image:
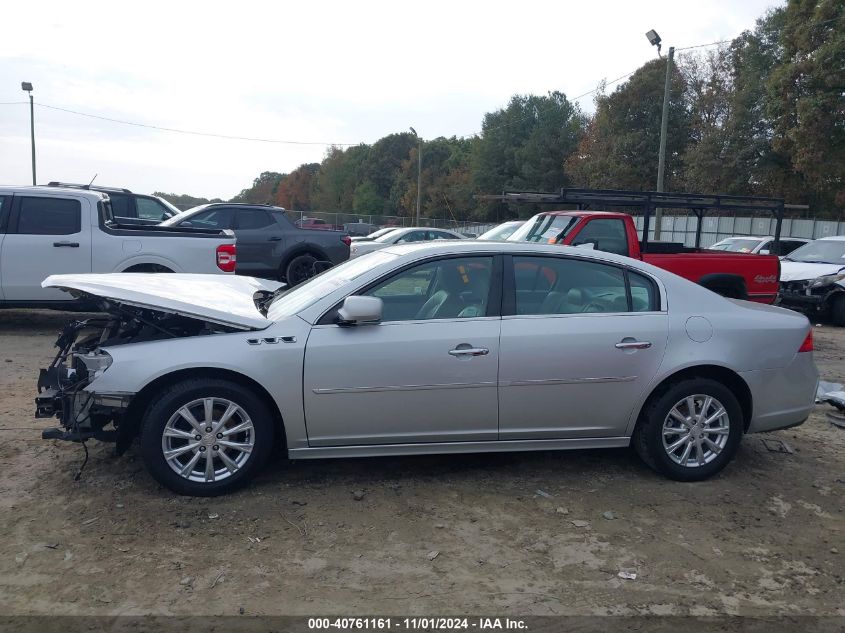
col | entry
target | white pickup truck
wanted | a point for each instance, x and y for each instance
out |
(51, 230)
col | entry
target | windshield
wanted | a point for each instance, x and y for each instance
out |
(181, 216)
(820, 252)
(308, 293)
(170, 207)
(501, 232)
(545, 229)
(736, 246)
(378, 234)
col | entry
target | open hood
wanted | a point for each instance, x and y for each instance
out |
(799, 271)
(224, 299)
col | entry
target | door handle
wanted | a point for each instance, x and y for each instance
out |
(633, 345)
(275, 238)
(469, 351)
(69, 244)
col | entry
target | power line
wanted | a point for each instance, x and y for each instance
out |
(686, 48)
(180, 131)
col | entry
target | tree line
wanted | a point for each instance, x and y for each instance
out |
(762, 115)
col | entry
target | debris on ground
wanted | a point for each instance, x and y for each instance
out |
(580, 524)
(562, 510)
(777, 446)
(213, 515)
(187, 580)
(543, 493)
(432, 554)
(826, 388)
(608, 515)
(627, 575)
(358, 495)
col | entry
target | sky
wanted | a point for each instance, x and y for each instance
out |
(318, 73)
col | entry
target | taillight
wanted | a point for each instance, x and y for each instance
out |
(807, 345)
(226, 258)
(346, 240)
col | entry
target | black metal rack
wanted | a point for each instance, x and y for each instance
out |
(647, 201)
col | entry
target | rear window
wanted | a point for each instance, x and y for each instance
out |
(121, 206)
(49, 216)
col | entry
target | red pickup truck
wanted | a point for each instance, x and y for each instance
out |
(735, 275)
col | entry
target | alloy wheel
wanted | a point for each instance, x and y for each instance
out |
(208, 439)
(696, 430)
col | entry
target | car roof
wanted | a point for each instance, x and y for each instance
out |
(583, 212)
(243, 205)
(832, 238)
(53, 191)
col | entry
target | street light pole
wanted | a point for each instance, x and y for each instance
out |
(27, 87)
(664, 126)
(419, 173)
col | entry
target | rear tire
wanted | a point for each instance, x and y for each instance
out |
(235, 430)
(837, 310)
(677, 443)
(299, 269)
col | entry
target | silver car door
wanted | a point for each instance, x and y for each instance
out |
(581, 340)
(426, 373)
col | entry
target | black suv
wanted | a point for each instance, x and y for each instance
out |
(128, 207)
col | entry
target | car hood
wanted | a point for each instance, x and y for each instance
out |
(224, 299)
(799, 271)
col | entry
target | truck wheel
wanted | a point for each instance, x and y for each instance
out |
(148, 268)
(690, 431)
(300, 268)
(837, 310)
(206, 437)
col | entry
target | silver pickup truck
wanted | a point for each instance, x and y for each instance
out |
(51, 230)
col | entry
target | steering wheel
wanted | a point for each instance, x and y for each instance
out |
(435, 302)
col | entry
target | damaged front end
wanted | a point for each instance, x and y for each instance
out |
(82, 357)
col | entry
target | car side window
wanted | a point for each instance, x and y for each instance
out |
(247, 219)
(554, 285)
(149, 209)
(4, 212)
(608, 235)
(211, 219)
(455, 288)
(121, 206)
(439, 235)
(644, 295)
(49, 216)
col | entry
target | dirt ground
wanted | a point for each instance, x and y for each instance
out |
(510, 534)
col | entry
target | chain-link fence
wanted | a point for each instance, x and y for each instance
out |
(356, 224)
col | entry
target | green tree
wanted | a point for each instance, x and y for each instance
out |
(263, 190)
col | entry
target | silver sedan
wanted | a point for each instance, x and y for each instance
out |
(428, 348)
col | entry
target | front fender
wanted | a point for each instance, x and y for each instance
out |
(276, 366)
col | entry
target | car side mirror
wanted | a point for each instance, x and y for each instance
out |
(588, 245)
(357, 310)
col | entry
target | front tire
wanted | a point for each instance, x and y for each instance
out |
(206, 437)
(691, 430)
(837, 310)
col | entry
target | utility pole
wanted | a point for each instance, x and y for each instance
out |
(664, 125)
(27, 87)
(419, 173)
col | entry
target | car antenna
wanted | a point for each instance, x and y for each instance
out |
(93, 179)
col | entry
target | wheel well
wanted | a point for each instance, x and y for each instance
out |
(142, 399)
(731, 286)
(305, 250)
(148, 268)
(727, 377)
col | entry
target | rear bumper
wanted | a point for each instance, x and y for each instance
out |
(782, 397)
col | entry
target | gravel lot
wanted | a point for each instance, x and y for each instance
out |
(534, 533)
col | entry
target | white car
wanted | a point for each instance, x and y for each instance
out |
(455, 347)
(501, 232)
(402, 236)
(759, 245)
(812, 279)
(375, 234)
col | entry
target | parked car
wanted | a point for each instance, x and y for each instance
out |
(374, 235)
(48, 230)
(128, 207)
(812, 279)
(501, 232)
(359, 228)
(316, 223)
(269, 244)
(403, 236)
(761, 245)
(428, 348)
(734, 275)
